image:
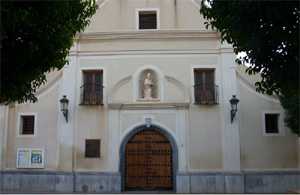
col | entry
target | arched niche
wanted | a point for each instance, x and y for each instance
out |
(148, 85)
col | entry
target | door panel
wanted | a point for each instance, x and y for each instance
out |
(148, 162)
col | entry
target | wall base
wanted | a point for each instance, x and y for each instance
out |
(202, 182)
(239, 182)
(59, 182)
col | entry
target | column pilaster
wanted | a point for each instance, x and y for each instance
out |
(230, 131)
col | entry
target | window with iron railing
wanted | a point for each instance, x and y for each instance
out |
(92, 87)
(205, 90)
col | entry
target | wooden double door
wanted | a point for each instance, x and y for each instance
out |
(148, 162)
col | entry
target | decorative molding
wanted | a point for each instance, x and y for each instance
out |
(197, 3)
(149, 105)
(101, 3)
(251, 88)
(49, 85)
(180, 86)
(134, 52)
(157, 34)
(117, 86)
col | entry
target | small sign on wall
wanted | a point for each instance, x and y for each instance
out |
(30, 158)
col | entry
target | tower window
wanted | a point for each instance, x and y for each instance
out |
(147, 19)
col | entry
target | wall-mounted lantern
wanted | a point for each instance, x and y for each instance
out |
(234, 102)
(64, 103)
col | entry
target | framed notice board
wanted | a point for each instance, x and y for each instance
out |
(30, 158)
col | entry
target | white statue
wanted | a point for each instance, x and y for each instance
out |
(148, 86)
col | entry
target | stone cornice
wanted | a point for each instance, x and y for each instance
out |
(148, 105)
(155, 34)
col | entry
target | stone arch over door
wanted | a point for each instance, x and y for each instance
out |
(161, 135)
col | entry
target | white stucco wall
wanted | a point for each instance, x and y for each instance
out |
(206, 139)
(3, 133)
(258, 150)
(45, 137)
(174, 14)
(179, 67)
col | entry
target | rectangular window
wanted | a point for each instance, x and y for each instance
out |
(271, 123)
(205, 90)
(147, 19)
(92, 88)
(27, 124)
(92, 148)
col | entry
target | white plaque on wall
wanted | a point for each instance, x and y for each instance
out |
(23, 158)
(30, 158)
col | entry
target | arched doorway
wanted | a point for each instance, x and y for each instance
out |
(147, 162)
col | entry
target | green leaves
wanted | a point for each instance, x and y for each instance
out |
(268, 31)
(36, 38)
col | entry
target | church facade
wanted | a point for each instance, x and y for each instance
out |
(144, 105)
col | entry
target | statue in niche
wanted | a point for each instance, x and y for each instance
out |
(148, 87)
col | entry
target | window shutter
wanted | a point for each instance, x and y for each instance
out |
(204, 88)
(209, 78)
(92, 87)
(98, 77)
(87, 78)
(198, 77)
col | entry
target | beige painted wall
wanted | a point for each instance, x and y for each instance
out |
(298, 152)
(172, 54)
(205, 138)
(174, 14)
(45, 138)
(92, 122)
(259, 151)
(3, 131)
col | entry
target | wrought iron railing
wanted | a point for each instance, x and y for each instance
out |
(206, 94)
(91, 94)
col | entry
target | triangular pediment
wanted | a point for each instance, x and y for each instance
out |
(121, 15)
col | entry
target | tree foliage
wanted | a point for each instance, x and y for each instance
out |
(268, 31)
(35, 38)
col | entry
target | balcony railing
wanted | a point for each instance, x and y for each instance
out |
(91, 94)
(206, 94)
